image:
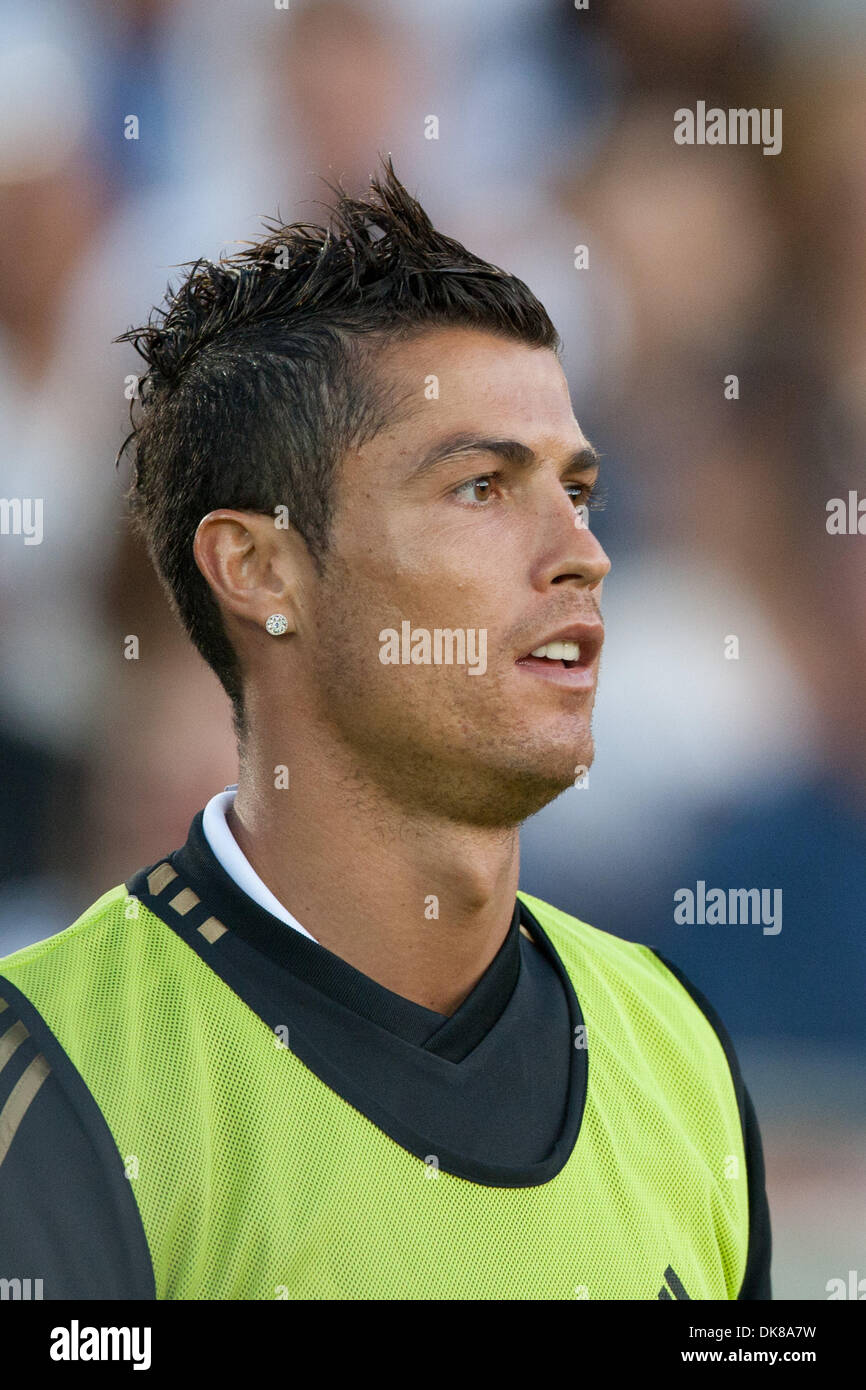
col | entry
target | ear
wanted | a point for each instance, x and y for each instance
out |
(253, 567)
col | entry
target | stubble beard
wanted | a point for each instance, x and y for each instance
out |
(432, 766)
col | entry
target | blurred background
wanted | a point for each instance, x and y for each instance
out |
(555, 129)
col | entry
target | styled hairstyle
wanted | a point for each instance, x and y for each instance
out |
(261, 376)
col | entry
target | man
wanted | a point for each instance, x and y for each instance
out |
(324, 1050)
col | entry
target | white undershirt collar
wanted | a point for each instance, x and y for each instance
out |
(232, 858)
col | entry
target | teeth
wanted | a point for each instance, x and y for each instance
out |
(558, 651)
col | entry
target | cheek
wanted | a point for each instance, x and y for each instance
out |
(358, 601)
(404, 551)
(360, 643)
(430, 579)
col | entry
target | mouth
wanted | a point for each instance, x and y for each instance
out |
(568, 658)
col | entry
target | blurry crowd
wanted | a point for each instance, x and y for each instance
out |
(555, 130)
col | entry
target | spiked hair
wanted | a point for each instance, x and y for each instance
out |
(261, 375)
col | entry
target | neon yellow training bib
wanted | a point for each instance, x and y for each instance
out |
(255, 1180)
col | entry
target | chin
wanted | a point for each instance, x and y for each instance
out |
(527, 790)
(560, 757)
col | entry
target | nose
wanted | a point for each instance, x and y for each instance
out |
(567, 550)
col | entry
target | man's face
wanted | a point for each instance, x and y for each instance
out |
(479, 542)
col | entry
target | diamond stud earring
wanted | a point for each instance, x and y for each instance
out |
(277, 624)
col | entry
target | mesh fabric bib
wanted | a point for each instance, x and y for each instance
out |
(255, 1180)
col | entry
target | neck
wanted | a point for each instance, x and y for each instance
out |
(420, 905)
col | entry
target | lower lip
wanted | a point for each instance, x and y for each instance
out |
(572, 677)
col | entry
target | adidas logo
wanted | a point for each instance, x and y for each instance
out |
(675, 1283)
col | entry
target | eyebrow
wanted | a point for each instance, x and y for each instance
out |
(511, 450)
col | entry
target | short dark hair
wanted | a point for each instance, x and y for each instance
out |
(260, 377)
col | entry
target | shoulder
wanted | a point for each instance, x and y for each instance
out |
(45, 984)
(650, 985)
(67, 1210)
(73, 980)
(42, 954)
(593, 945)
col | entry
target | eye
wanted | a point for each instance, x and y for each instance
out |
(481, 489)
(585, 494)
